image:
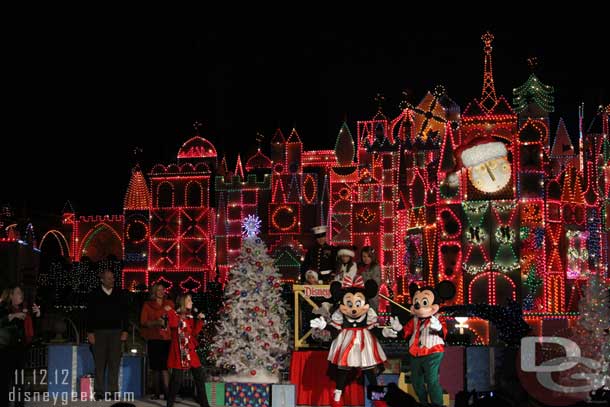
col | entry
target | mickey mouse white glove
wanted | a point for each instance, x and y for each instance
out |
(435, 324)
(395, 323)
(388, 332)
(319, 323)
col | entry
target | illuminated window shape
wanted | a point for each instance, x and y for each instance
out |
(194, 223)
(577, 254)
(190, 285)
(164, 224)
(193, 253)
(284, 218)
(451, 225)
(163, 255)
(366, 217)
(165, 195)
(167, 283)
(491, 288)
(193, 195)
(451, 256)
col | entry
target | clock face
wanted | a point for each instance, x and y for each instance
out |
(491, 176)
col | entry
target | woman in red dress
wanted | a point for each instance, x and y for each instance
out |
(182, 352)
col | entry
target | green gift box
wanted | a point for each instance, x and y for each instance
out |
(216, 394)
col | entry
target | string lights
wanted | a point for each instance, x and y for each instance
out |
(529, 241)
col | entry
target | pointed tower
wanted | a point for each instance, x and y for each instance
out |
(223, 169)
(562, 151)
(239, 170)
(137, 196)
(136, 211)
(488, 95)
(294, 153)
(278, 148)
(344, 147)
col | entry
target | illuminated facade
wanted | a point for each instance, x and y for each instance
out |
(534, 239)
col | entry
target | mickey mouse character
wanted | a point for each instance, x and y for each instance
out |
(426, 334)
(355, 346)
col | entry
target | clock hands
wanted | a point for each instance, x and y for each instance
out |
(491, 175)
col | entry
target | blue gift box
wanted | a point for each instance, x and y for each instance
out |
(130, 375)
(68, 363)
(247, 394)
(481, 364)
(283, 395)
(382, 380)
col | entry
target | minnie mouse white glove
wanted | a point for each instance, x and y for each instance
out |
(388, 332)
(319, 323)
(395, 323)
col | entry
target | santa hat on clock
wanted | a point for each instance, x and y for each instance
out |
(473, 153)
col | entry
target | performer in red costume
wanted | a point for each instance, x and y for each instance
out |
(426, 334)
(183, 349)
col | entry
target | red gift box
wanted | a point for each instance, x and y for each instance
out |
(86, 388)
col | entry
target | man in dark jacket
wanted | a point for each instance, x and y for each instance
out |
(320, 258)
(107, 327)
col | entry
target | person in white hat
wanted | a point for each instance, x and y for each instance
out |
(311, 277)
(347, 272)
(320, 258)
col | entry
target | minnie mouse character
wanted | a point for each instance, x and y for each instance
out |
(426, 334)
(355, 346)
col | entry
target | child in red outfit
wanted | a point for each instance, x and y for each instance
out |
(182, 352)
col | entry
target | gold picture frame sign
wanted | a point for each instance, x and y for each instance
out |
(305, 292)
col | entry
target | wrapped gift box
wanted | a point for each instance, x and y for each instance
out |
(66, 364)
(216, 394)
(483, 364)
(283, 395)
(247, 394)
(86, 388)
(382, 380)
(130, 375)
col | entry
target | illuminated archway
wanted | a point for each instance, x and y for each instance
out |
(62, 242)
(100, 242)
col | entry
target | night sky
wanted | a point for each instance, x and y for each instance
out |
(81, 100)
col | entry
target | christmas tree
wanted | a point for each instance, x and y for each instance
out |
(534, 92)
(252, 339)
(594, 322)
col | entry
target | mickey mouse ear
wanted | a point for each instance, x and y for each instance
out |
(446, 290)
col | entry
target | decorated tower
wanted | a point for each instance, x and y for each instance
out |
(136, 233)
(181, 245)
(486, 186)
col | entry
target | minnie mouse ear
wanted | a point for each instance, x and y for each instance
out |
(371, 289)
(446, 290)
(336, 291)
